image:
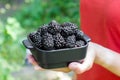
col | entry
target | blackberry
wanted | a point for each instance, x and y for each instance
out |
(66, 31)
(38, 44)
(54, 27)
(59, 41)
(34, 36)
(79, 34)
(36, 39)
(80, 43)
(70, 41)
(43, 29)
(47, 41)
(73, 26)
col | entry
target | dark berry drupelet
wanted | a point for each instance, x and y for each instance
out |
(47, 41)
(54, 27)
(80, 43)
(59, 41)
(79, 34)
(70, 41)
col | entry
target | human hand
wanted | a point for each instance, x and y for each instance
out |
(77, 67)
(95, 54)
(100, 55)
(87, 63)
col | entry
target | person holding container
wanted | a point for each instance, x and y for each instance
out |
(100, 20)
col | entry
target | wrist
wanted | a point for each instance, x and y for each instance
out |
(95, 47)
(103, 56)
(107, 58)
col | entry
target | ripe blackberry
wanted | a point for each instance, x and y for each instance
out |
(73, 26)
(66, 31)
(43, 29)
(47, 41)
(34, 36)
(80, 43)
(79, 34)
(38, 44)
(59, 41)
(54, 27)
(36, 39)
(70, 41)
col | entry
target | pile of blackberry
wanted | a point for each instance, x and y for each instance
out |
(54, 36)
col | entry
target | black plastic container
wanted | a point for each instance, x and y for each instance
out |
(57, 58)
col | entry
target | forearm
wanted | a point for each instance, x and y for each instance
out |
(108, 59)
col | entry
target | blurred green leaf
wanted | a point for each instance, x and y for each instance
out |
(43, 11)
(13, 28)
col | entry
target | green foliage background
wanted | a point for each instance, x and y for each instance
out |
(38, 12)
(28, 17)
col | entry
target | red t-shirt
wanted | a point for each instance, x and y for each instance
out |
(100, 19)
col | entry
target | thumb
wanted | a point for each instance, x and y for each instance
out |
(86, 65)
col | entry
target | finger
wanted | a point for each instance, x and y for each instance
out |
(86, 65)
(33, 62)
(79, 68)
(81, 61)
(37, 67)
